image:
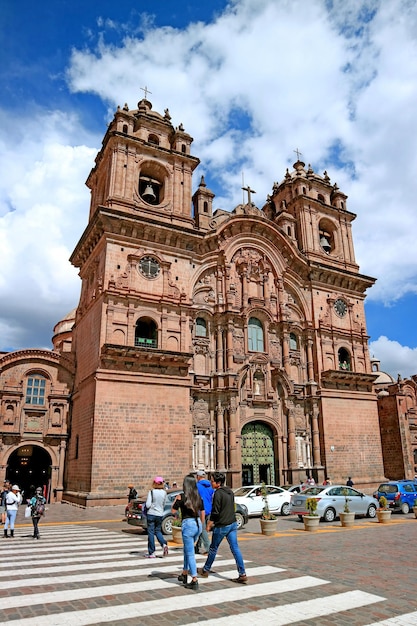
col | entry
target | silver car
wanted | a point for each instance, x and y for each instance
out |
(331, 501)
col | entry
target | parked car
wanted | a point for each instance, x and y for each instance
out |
(250, 496)
(294, 488)
(400, 494)
(331, 501)
(136, 516)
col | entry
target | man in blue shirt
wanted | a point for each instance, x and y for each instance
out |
(206, 492)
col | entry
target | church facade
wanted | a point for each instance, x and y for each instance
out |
(231, 340)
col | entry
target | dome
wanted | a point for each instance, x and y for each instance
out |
(65, 325)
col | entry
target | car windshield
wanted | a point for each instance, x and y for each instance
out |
(243, 491)
(388, 489)
(313, 491)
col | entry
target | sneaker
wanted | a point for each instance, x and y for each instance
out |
(242, 579)
(150, 556)
(165, 550)
(192, 585)
(202, 572)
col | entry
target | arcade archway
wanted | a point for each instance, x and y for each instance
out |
(258, 456)
(30, 467)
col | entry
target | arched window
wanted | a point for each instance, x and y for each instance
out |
(293, 341)
(344, 359)
(320, 197)
(255, 335)
(153, 139)
(35, 389)
(200, 327)
(146, 333)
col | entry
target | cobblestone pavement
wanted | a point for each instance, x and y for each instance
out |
(88, 568)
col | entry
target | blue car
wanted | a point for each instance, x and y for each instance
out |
(401, 494)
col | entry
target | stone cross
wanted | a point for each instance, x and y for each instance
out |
(249, 191)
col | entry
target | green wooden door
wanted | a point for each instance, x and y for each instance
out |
(258, 460)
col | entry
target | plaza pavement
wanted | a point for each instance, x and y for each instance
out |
(359, 577)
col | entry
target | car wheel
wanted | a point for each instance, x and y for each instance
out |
(285, 509)
(240, 521)
(371, 511)
(166, 525)
(300, 517)
(329, 515)
(405, 508)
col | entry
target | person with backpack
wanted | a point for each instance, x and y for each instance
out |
(37, 504)
(206, 492)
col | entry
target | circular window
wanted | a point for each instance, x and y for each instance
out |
(149, 267)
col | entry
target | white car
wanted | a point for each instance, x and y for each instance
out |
(278, 499)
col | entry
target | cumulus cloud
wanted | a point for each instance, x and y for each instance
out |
(43, 205)
(334, 79)
(401, 359)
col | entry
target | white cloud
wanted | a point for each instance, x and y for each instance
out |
(263, 79)
(341, 76)
(43, 207)
(395, 358)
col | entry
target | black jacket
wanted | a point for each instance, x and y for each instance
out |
(223, 510)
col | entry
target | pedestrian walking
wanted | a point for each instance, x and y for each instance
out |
(223, 523)
(13, 499)
(192, 514)
(37, 505)
(132, 495)
(206, 492)
(350, 482)
(155, 503)
(6, 488)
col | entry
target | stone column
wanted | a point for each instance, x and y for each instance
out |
(219, 350)
(229, 346)
(316, 436)
(220, 463)
(233, 460)
(286, 353)
(292, 451)
(310, 370)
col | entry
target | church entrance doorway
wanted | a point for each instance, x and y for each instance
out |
(30, 467)
(258, 457)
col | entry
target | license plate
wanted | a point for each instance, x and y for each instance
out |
(298, 501)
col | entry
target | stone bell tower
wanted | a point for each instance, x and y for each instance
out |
(130, 414)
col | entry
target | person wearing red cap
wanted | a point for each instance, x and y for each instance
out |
(155, 503)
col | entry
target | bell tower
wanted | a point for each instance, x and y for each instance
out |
(144, 166)
(313, 211)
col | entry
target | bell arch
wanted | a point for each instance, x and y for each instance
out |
(258, 453)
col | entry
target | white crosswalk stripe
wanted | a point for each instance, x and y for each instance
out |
(83, 576)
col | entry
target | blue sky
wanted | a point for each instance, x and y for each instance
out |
(251, 81)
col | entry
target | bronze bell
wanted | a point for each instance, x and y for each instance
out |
(149, 194)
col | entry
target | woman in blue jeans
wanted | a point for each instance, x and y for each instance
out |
(192, 513)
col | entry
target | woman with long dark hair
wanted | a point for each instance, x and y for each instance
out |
(190, 505)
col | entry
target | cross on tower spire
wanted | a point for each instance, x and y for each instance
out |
(298, 153)
(249, 190)
(146, 90)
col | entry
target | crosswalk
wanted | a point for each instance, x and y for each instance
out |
(77, 576)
